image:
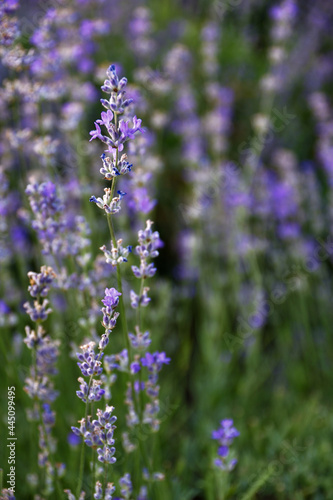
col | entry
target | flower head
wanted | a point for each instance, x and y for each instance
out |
(111, 298)
(225, 436)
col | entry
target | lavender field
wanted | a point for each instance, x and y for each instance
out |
(166, 250)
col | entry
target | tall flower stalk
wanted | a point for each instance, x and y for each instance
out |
(119, 132)
(39, 384)
(142, 367)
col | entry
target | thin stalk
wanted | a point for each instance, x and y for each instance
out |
(105, 477)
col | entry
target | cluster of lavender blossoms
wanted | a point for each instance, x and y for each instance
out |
(225, 436)
(149, 242)
(39, 384)
(59, 234)
(98, 433)
(118, 134)
(143, 366)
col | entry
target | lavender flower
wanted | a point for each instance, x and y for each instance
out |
(154, 362)
(118, 134)
(118, 254)
(46, 207)
(126, 486)
(38, 311)
(111, 299)
(40, 282)
(39, 384)
(7, 494)
(89, 362)
(60, 233)
(142, 300)
(225, 436)
(112, 169)
(110, 489)
(99, 434)
(140, 341)
(140, 185)
(149, 242)
(46, 349)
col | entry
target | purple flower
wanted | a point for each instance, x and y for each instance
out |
(226, 433)
(99, 433)
(96, 134)
(126, 486)
(140, 341)
(223, 451)
(225, 436)
(111, 298)
(40, 282)
(142, 300)
(4, 309)
(89, 362)
(135, 367)
(107, 117)
(155, 361)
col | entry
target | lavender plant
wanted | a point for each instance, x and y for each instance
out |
(39, 385)
(242, 172)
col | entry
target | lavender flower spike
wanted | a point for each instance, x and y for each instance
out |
(118, 132)
(118, 254)
(149, 242)
(225, 436)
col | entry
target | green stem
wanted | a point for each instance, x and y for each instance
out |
(105, 477)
